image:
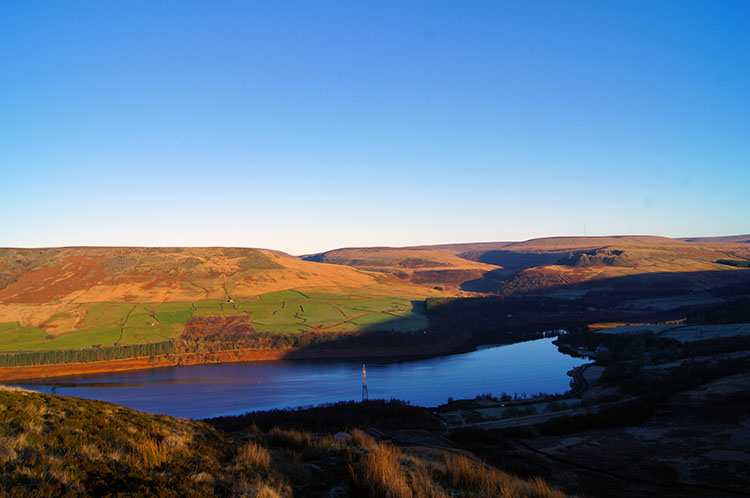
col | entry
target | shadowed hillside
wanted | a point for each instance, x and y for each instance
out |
(568, 267)
(538, 264)
(729, 239)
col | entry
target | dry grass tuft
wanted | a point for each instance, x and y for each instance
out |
(544, 490)
(423, 482)
(379, 474)
(476, 478)
(10, 446)
(361, 438)
(177, 442)
(267, 492)
(291, 438)
(381, 471)
(153, 453)
(91, 451)
(252, 455)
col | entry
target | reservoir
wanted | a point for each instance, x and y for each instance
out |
(203, 391)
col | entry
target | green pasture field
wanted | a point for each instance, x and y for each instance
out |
(106, 315)
(173, 317)
(156, 333)
(14, 337)
(289, 311)
(292, 311)
(207, 308)
(36, 339)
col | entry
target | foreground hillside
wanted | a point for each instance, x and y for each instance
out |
(55, 446)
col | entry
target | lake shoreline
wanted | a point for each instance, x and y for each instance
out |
(204, 390)
(42, 372)
(462, 342)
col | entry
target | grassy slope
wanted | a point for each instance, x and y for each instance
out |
(71, 298)
(108, 324)
(54, 446)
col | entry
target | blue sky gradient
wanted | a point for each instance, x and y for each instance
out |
(305, 126)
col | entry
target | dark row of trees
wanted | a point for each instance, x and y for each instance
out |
(308, 340)
(344, 415)
(257, 340)
(34, 358)
(739, 263)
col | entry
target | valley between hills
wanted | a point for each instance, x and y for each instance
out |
(662, 324)
(92, 309)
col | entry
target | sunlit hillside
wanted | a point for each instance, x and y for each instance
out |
(82, 297)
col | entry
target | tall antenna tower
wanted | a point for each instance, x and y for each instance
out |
(364, 383)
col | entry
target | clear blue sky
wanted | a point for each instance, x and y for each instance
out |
(314, 125)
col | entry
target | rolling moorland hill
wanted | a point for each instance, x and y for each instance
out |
(98, 274)
(97, 304)
(540, 265)
(57, 446)
(729, 239)
(419, 266)
(58, 291)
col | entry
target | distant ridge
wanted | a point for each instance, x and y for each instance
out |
(729, 239)
(545, 262)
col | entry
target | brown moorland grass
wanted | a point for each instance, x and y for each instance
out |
(383, 471)
(86, 275)
(379, 474)
(253, 456)
(57, 446)
(479, 479)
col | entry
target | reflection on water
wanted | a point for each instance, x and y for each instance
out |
(210, 390)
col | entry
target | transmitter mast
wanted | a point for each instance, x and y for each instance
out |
(364, 383)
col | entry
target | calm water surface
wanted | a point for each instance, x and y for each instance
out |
(232, 388)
